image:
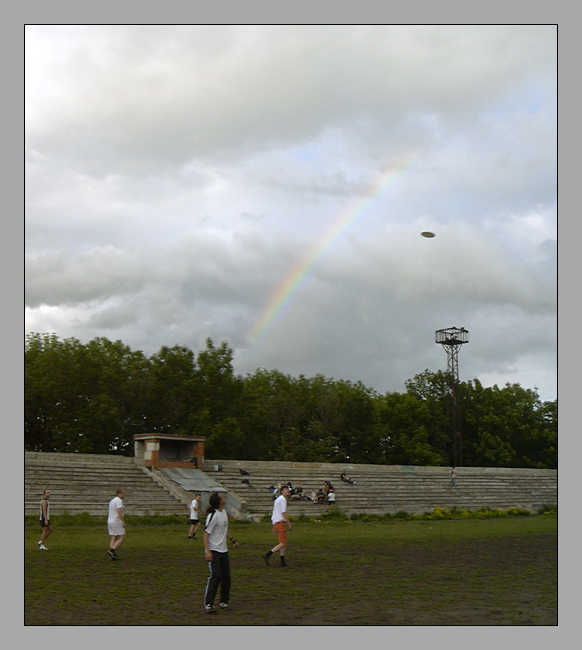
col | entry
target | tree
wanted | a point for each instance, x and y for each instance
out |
(41, 395)
(432, 390)
(93, 398)
(225, 440)
(175, 394)
(508, 426)
(411, 428)
(271, 410)
(218, 387)
(82, 398)
(357, 418)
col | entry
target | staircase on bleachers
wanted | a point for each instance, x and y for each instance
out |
(381, 489)
(87, 482)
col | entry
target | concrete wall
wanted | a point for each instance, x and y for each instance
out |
(382, 489)
(86, 483)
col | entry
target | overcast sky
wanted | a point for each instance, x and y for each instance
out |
(267, 186)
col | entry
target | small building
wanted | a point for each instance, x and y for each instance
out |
(155, 450)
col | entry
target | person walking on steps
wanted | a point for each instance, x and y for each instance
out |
(45, 523)
(281, 522)
(216, 553)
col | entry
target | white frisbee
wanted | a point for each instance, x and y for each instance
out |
(427, 233)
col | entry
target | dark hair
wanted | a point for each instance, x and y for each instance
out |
(213, 502)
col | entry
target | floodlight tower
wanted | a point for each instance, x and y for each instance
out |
(451, 339)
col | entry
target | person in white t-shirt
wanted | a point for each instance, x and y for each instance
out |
(194, 520)
(116, 524)
(330, 501)
(280, 520)
(216, 553)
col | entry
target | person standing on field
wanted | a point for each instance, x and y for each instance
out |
(281, 522)
(194, 520)
(216, 553)
(45, 523)
(116, 524)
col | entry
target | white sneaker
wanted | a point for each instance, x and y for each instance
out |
(42, 547)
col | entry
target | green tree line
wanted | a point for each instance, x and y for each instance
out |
(93, 397)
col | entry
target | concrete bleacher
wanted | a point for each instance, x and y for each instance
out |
(87, 482)
(381, 489)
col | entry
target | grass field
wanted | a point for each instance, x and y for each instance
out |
(499, 571)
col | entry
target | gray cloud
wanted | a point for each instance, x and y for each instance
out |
(177, 176)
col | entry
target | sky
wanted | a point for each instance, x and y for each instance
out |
(266, 186)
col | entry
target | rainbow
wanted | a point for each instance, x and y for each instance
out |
(291, 284)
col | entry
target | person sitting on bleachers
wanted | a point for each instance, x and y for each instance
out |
(330, 500)
(346, 479)
(275, 491)
(298, 493)
(319, 496)
(327, 487)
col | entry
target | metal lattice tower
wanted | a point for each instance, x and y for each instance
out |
(451, 339)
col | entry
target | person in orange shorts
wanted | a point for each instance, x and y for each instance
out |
(280, 521)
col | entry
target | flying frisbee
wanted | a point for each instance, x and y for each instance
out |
(427, 233)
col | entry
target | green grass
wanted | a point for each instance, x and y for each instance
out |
(491, 570)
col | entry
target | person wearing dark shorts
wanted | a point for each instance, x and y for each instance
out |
(44, 520)
(194, 520)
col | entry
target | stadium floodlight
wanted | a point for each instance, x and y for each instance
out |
(451, 339)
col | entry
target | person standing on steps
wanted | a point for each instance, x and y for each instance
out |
(45, 523)
(281, 522)
(116, 524)
(194, 520)
(454, 476)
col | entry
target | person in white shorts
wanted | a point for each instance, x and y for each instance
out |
(116, 524)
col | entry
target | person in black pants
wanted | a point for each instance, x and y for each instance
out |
(216, 553)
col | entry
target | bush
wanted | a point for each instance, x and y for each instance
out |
(441, 513)
(335, 514)
(364, 516)
(402, 514)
